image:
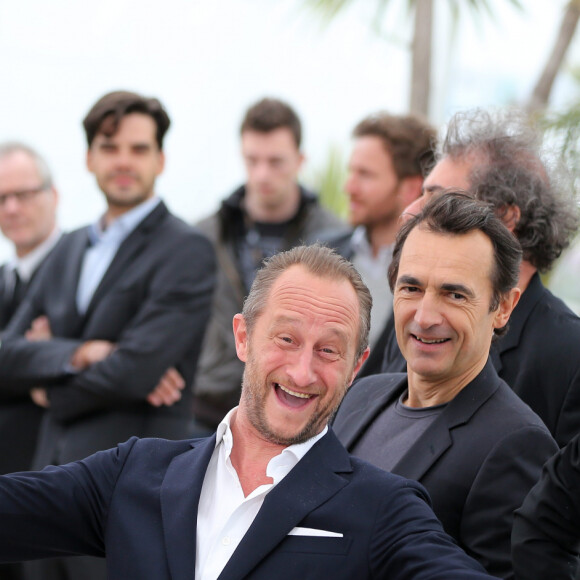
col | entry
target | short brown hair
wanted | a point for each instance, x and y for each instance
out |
(107, 112)
(408, 139)
(320, 261)
(270, 114)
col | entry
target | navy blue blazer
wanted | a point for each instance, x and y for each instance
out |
(137, 506)
(477, 460)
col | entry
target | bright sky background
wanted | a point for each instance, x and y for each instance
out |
(209, 60)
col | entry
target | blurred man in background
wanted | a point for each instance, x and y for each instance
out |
(269, 213)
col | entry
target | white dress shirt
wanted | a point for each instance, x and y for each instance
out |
(224, 514)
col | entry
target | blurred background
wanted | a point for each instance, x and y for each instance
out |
(335, 61)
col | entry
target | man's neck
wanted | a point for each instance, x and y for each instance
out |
(275, 213)
(429, 393)
(527, 272)
(250, 454)
(381, 235)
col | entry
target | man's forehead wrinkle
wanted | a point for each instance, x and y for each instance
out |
(305, 298)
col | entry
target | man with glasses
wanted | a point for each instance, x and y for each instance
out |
(28, 201)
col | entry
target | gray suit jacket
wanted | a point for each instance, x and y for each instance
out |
(153, 303)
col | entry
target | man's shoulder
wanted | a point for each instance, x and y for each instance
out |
(384, 382)
(553, 311)
(508, 413)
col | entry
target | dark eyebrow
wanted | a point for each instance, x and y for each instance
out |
(410, 280)
(459, 288)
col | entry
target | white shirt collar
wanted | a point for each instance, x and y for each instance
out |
(127, 222)
(26, 265)
(280, 465)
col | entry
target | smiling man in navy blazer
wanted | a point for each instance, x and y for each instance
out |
(119, 308)
(273, 494)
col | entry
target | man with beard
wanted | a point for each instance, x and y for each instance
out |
(272, 494)
(123, 304)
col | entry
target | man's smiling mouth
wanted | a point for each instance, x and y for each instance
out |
(292, 398)
(430, 340)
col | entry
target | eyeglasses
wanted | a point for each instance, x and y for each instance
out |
(24, 196)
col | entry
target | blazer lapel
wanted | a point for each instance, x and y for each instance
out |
(369, 398)
(76, 245)
(180, 494)
(437, 438)
(130, 247)
(310, 483)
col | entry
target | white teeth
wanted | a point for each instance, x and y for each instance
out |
(434, 341)
(293, 393)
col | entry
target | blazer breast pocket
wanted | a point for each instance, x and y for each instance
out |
(315, 545)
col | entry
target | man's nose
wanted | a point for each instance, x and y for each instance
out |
(428, 313)
(301, 368)
(261, 172)
(11, 204)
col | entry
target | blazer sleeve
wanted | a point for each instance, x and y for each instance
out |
(505, 477)
(546, 532)
(166, 331)
(61, 510)
(25, 364)
(568, 424)
(409, 542)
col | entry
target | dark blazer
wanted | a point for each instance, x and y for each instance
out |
(537, 358)
(137, 505)
(546, 533)
(19, 417)
(477, 460)
(153, 303)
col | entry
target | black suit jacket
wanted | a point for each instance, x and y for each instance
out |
(153, 303)
(537, 357)
(19, 417)
(141, 513)
(546, 533)
(477, 460)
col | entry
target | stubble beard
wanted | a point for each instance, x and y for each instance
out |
(254, 395)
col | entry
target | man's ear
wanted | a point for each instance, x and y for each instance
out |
(506, 305)
(359, 364)
(241, 336)
(510, 216)
(410, 189)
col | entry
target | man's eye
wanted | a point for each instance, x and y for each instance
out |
(457, 296)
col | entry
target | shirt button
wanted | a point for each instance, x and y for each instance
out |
(226, 541)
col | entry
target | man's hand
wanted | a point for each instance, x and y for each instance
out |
(91, 352)
(39, 396)
(39, 330)
(168, 390)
